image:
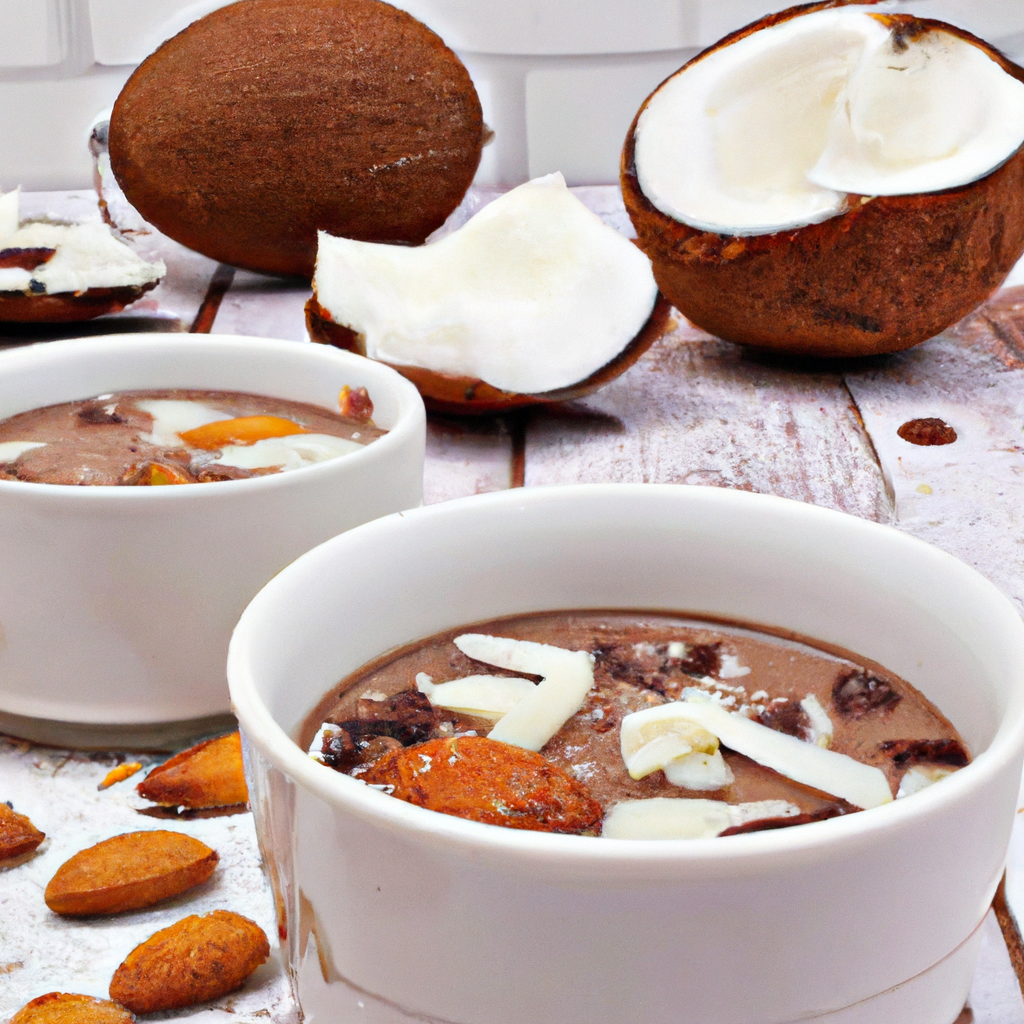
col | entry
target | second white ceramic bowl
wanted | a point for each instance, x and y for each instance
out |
(392, 912)
(116, 603)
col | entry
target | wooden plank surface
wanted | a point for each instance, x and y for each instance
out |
(694, 410)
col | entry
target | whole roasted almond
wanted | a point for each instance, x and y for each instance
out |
(196, 959)
(18, 836)
(71, 1008)
(485, 780)
(129, 871)
(207, 775)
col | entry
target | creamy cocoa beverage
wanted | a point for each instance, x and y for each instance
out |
(632, 725)
(179, 436)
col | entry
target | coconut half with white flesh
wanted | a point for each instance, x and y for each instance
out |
(53, 272)
(833, 180)
(535, 299)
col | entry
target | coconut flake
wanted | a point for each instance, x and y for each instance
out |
(699, 771)
(674, 818)
(566, 679)
(290, 452)
(484, 696)
(821, 725)
(174, 416)
(11, 450)
(534, 293)
(87, 255)
(860, 784)
(921, 777)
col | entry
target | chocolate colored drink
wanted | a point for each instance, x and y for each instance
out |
(754, 730)
(178, 436)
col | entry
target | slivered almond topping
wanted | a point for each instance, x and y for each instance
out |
(196, 959)
(566, 679)
(119, 774)
(207, 775)
(129, 871)
(241, 430)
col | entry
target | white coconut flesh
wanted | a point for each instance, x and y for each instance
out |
(86, 256)
(533, 294)
(776, 130)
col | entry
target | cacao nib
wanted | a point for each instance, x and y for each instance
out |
(702, 660)
(855, 693)
(620, 664)
(767, 824)
(25, 259)
(788, 717)
(339, 751)
(95, 414)
(407, 717)
(910, 752)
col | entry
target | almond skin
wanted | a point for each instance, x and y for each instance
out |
(18, 836)
(71, 1008)
(207, 775)
(68, 307)
(129, 871)
(196, 959)
(484, 780)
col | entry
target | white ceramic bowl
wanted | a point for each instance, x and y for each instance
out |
(117, 603)
(393, 912)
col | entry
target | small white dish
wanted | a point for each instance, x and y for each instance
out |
(117, 603)
(392, 912)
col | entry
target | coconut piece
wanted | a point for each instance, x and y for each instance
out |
(852, 182)
(671, 818)
(266, 120)
(533, 298)
(566, 679)
(483, 696)
(64, 272)
(842, 776)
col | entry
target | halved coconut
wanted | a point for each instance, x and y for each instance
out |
(832, 180)
(52, 272)
(534, 300)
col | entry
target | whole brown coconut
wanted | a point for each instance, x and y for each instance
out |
(889, 273)
(269, 119)
(445, 393)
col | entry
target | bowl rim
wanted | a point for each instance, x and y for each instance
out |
(706, 858)
(410, 416)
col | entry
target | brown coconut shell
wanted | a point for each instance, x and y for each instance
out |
(446, 393)
(68, 307)
(889, 273)
(270, 119)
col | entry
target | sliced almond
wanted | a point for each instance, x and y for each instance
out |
(18, 836)
(192, 961)
(129, 871)
(567, 677)
(649, 744)
(207, 775)
(71, 1008)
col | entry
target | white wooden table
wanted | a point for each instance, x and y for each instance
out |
(693, 410)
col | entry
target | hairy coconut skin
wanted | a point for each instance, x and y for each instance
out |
(68, 307)
(889, 273)
(446, 393)
(270, 119)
